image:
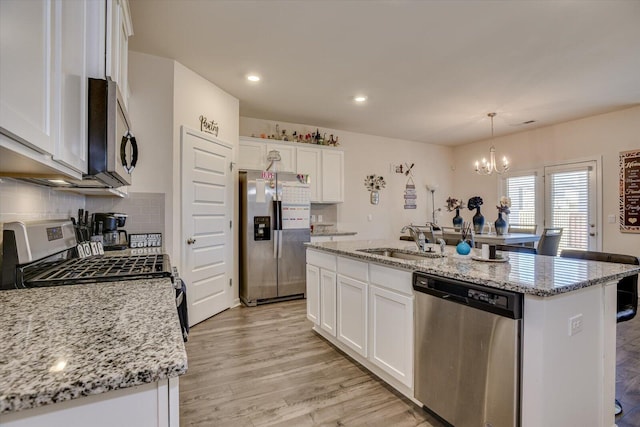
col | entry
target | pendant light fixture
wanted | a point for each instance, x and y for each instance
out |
(487, 168)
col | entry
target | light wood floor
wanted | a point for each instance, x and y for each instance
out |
(263, 366)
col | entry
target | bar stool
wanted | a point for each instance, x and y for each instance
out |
(627, 293)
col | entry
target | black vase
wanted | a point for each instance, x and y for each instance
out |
(478, 221)
(457, 220)
(501, 225)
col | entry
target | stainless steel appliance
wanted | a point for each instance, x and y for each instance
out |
(112, 147)
(42, 253)
(467, 352)
(274, 225)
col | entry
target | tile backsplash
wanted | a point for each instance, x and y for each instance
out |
(145, 210)
(21, 201)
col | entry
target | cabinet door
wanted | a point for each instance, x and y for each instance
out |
(71, 77)
(308, 162)
(287, 156)
(119, 29)
(328, 301)
(252, 155)
(26, 72)
(391, 328)
(332, 176)
(352, 313)
(313, 294)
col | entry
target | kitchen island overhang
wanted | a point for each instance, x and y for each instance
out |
(567, 379)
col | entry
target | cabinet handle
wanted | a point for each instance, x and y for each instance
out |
(191, 241)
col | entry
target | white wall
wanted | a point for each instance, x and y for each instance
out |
(367, 154)
(166, 96)
(603, 136)
(151, 112)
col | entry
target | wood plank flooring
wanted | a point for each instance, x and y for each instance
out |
(263, 366)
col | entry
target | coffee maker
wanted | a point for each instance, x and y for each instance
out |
(107, 225)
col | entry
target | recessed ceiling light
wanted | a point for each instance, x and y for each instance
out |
(253, 78)
(360, 98)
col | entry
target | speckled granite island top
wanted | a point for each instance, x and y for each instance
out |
(64, 342)
(526, 273)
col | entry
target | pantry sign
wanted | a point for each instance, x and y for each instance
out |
(630, 191)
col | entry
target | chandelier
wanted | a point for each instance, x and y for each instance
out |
(489, 167)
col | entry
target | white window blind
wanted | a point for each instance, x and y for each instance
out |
(522, 192)
(568, 201)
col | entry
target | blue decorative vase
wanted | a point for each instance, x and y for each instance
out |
(457, 220)
(478, 221)
(463, 248)
(501, 225)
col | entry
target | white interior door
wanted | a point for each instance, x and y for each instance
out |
(207, 210)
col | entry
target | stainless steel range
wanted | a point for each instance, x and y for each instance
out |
(43, 254)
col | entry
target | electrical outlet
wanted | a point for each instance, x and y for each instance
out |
(611, 219)
(319, 218)
(575, 324)
(369, 217)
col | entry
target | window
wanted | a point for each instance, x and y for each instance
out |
(522, 192)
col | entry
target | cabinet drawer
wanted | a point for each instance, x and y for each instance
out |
(352, 268)
(391, 278)
(321, 259)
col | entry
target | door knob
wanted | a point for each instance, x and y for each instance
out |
(191, 241)
(592, 234)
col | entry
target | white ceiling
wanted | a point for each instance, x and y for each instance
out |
(432, 69)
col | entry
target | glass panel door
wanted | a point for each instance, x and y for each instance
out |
(570, 203)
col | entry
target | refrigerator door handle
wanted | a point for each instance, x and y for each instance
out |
(279, 243)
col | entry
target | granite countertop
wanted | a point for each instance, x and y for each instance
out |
(526, 273)
(64, 342)
(333, 233)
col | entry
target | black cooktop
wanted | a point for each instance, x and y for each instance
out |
(98, 269)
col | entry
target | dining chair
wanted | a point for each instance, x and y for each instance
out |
(627, 289)
(516, 248)
(549, 241)
(523, 228)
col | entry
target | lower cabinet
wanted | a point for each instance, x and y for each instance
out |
(313, 293)
(391, 327)
(352, 313)
(365, 309)
(328, 301)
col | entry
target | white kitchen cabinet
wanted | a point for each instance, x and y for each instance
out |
(328, 301)
(70, 147)
(332, 176)
(55, 45)
(352, 313)
(252, 155)
(118, 31)
(287, 157)
(313, 293)
(309, 162)
(27, 76)
(391, 329)
(148, 405)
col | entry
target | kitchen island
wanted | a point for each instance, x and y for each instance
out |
(363, 303)
(99, 354)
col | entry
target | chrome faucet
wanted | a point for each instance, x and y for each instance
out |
(417, 236)
(442, 244)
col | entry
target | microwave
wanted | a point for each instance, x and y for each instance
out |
(112, 147)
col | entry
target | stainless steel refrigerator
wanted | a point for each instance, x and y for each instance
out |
(274, 218)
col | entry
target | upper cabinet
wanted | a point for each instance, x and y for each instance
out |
(53, 47)
(27, 76)
(324, 165)
(118, 31)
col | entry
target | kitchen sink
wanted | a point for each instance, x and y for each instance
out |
(401, 253)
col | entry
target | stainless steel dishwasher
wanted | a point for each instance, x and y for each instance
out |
(467, 352)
